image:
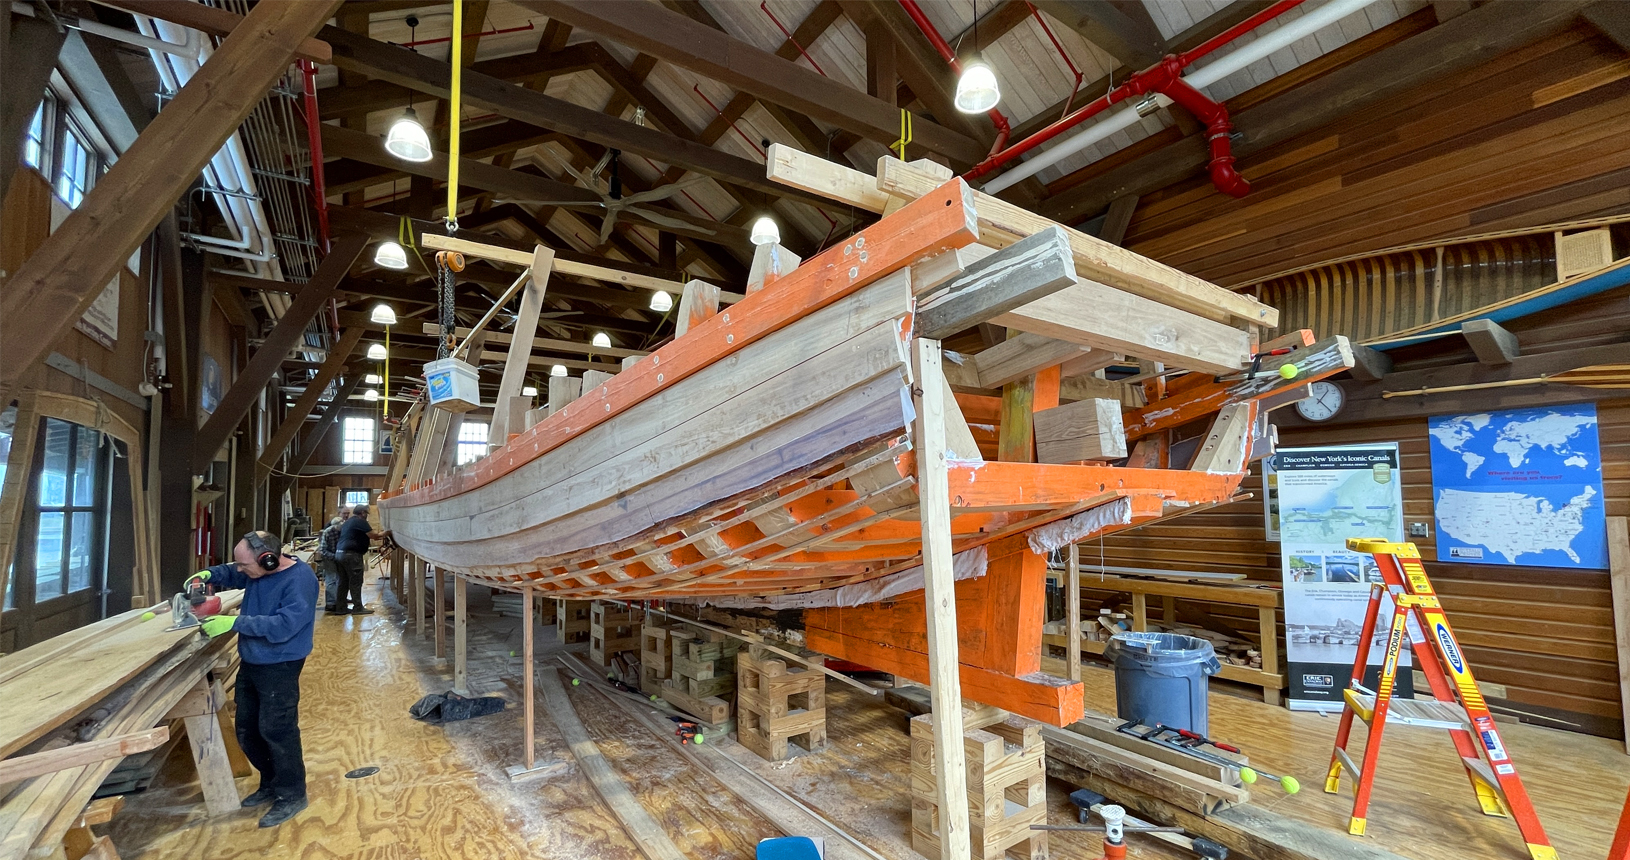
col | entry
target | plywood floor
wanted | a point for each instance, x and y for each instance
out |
(442, 792)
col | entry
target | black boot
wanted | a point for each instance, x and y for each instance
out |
(261, 797)
(282, 811)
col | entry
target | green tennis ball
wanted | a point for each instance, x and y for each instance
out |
(700, 739)
(576, 681)
(1247, 775)
(1288, 371)
(147, 616)
(1290, 784)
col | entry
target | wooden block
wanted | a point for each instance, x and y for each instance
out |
(770, 262)
(708, 710)
(593, 379)
(1022, 355)
(563, 390)
(1034, 267)
(697, 303)
(533, 416)
(1490, 341)
(1084, 430)
(711, 686)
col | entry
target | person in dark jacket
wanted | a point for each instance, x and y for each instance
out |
(327, 558)
(356, 535)
(274, 627)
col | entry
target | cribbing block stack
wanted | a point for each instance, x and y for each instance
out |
(776, 703)
(613, 629)
(703, 679)
(656, 657)
(1007, 785)
(572, 620)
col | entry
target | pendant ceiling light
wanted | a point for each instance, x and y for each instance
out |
(370, 395)
(377, 352)
(601, 339)
(390, 255)
(976, 90)
(558, 370)
(408, 141)
(383, 315)
(661, 302)
(373, 379)
(765, 232)
(529, 391)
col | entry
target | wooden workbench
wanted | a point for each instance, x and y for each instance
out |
(1266, 600)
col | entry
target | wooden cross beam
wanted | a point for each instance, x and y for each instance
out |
(61, 279)
(296, 416)
(1124, 37)
(314, 436)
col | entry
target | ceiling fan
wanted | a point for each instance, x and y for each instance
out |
(613, 201)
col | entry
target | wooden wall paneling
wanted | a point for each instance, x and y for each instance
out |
(1618, 547)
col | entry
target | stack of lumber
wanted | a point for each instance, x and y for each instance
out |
(104, 681)
(703, 680)
(613, 629)
(1007, 785)
(572, 620)
(656, 657)
(1094, 745)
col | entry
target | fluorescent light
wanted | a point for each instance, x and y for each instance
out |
(661, 302)
(558, 370)
(383, 315)
(373, 379)
(370, 395)
(976, 90)
(529, 391)
(390, 256)
(765, 232)
(377, 352)
(407, 139)
(601, 339)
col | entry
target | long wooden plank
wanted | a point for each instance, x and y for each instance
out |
(1174, 784)
(487, 251)
(23, 767)
(211, 20)
(60, 280)
(641, 827)
(1022, 355)
(1023, 272)
(939, 599)
(1618, 550)
(520, 345)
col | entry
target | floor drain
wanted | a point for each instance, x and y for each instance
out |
(361, 772)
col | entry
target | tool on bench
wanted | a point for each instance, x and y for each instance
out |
(1088, 801)
(1185, 741)
(688, 732)
(193, 604)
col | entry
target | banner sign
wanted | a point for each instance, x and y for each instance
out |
(1325, 496)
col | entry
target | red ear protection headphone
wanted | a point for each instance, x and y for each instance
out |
(265, 555)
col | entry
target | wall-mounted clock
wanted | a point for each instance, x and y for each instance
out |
(1323, 401)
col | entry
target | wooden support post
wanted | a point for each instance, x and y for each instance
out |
(527, 635)
(939, 591)
(209, 749)
(1072, 610)
(416, 569)
(1168, 609)
(1140, 612)
(1618, 555)
(397, 572)
(461, 638)
(520, 345)
(438, 617)
(1268, 627)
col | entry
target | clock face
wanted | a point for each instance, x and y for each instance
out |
(1323, 401)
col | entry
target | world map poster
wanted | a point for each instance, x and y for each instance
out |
(1520, 488)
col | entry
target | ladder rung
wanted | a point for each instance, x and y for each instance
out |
(1484, 773)
(1424, 713)
(1347, 764)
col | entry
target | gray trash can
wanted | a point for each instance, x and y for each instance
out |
(1161, 678)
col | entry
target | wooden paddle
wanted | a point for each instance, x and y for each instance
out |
(1595, 376)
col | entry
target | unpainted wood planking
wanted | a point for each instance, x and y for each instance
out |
(1084, 430)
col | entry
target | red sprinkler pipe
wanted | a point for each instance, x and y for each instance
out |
(1003, 129)
(1165, 78)
(314, 139)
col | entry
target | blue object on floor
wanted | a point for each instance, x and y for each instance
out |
(788, 848)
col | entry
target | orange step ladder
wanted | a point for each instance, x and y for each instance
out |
(1456, 703)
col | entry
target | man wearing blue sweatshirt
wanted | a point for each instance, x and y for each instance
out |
(274, 626)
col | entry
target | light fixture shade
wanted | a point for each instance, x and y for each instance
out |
(976, 90)
(376, 352)
(373, 379)
(558, 370)
(765, 232)
(529, 391)
(601, 339)
(661, 302)
(370, 395)
(407, 139)
(390, 256)
(383, 315)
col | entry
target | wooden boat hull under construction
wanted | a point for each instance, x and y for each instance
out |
(767, 457)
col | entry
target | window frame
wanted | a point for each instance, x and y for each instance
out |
(45, 118)
(99, 511)
(471, 442)
(366, 441)
(70, 134)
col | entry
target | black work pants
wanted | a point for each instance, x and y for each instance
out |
(351, 572)
(269, 725)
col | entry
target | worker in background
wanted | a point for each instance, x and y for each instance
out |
(327, 558)
(356, 535)
(274, 626)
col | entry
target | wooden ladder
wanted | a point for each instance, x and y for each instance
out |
(1457, 705)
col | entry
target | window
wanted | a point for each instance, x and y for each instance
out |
(352, 498)
(76, 166)
(34, 147)
(359, 442)
(72, 510)
(472, 442)
(8, 423)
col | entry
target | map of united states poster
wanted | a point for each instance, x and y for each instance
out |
(1520, 488)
